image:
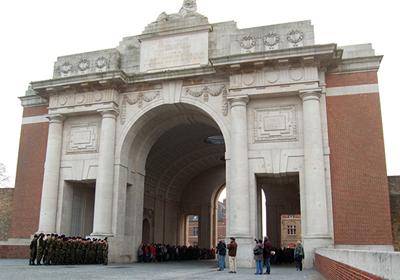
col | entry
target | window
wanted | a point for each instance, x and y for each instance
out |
(291, 229)
(195, 231)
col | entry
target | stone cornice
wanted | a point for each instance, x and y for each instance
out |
(321, 53)
(33, 100)
(358, 64)
(113, 79)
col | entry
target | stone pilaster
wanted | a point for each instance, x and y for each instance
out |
(48, 206)
(316, 230)
(238, 188)
(102, 224)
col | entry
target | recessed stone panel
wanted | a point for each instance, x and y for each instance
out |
(174, 52)
(82, 138)
(275, 124)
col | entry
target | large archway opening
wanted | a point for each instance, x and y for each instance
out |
(180, 152)
(281, 214)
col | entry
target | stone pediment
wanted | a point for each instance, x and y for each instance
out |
(186, 18)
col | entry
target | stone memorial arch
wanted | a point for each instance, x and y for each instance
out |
(144, 134)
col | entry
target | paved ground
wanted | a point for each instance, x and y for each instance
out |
(18, 269)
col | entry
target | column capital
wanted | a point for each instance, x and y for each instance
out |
(310, 94)
(241, 100)
(108, 113)
(55, 118)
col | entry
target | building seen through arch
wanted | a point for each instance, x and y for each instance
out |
(129, 142)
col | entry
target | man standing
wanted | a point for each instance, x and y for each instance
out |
(232, 249)
(105, 251)
(33, 248)
(221, 252)
(267, 254)
(258, 256)
(40, 250)
(299, 256)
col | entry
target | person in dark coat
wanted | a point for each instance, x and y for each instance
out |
(299, 256)
(258, 256)
(33, 248)
(267, 254)
(221, 252)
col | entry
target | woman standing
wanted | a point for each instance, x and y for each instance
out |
(299, 256)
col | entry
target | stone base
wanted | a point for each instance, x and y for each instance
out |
(310, 244)
(122, 249)
(244, 255)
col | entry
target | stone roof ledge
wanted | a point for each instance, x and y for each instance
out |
(187, 19)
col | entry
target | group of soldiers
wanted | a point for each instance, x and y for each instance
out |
(54, 249)
(162, 253)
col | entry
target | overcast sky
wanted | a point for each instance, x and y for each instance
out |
(34, 33)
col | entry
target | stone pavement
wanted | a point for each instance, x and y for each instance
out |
(193, 270)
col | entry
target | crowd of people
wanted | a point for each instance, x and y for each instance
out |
(162, 253)
(264, 254)
(54, 249)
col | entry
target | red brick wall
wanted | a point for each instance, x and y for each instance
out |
(361, 209)
(6, 196)
(14, 252)
(34, 111)
(351, 79)
(29, 177)
(333, 270)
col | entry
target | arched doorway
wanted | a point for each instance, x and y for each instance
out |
(173, 170)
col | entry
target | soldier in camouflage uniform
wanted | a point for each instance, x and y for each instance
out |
(105, 251)
(33, 248)
(80, 251)
(46, 249)
(57, 252)
(40, 249)
(52, 249)
(99, 251)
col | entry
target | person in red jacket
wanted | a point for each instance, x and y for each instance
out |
(232, 249)
(267, 254)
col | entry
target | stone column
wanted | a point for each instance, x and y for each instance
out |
(238, 188)
(316, 228)
(48, 205)
(102, 224)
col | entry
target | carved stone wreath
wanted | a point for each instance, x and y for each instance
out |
(101, 62)
(271, 39)
(248, 42)
(83, 64)
(66, 68)
(213, 90)
(295, 36)
(138, 99)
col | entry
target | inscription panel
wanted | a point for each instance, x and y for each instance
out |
(178, 51)
(275, 124)
(82, 138)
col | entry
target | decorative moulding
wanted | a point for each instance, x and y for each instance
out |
(206, 90)
(137, 98)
